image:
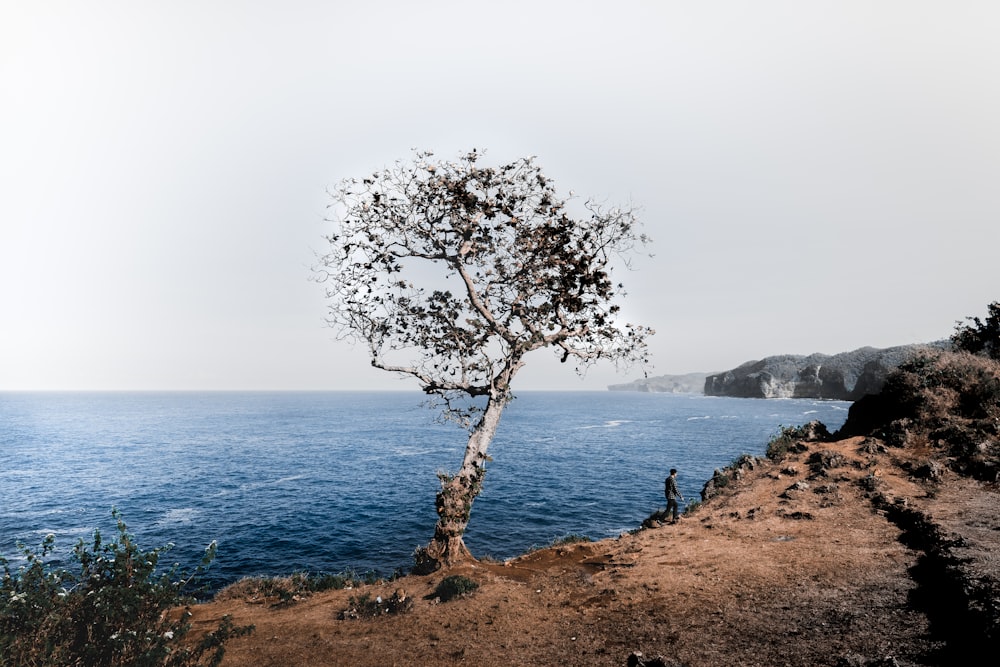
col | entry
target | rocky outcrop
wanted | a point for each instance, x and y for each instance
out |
(690, 383)
(846, 376)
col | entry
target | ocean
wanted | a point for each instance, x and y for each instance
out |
(345, 481)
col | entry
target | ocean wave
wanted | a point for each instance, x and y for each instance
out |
(252, 486)
(412, 451)
(612, 423)
(177, 516)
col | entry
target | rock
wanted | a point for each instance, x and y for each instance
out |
(872, 446)
(872, 483)
(855, 660)
(636, 659)
(931, 470)
(846, 376)
(794, 488)
(821, 461)
(689, 383)
(714, 486)
(815, 431)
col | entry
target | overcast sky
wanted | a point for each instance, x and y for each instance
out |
(817, 176)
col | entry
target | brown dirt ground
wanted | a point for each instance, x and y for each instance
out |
(760, 575)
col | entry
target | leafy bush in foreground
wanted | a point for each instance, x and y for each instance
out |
(116, 610)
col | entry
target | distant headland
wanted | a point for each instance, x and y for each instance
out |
(846, 376)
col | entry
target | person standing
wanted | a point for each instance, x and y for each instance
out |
(673, 494)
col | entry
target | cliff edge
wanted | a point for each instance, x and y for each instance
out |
(871, 547)
(846, 376)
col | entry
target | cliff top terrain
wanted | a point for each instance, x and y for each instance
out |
(874, 546)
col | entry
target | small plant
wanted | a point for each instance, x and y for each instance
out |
(571, 539)
(317, 583)
(692, 506)
(490, 558)
(560, 542)
(364, 607)
(289, 590)
(116, 610)
(785, 440)
(259, 589)
(454, 586)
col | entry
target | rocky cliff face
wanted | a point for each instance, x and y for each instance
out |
(846, 376)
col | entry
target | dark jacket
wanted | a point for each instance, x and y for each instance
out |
(670, 489)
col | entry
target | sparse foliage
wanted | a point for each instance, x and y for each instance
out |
(571, 539)
(980, 336)
(949, 401)
(454, 586)
(365, 607)
(783, 441)
(451, 272)
(284, 591)
(116, 610)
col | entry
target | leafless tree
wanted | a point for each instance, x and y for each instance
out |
(452, 272)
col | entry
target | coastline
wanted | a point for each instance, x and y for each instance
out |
(784, 568)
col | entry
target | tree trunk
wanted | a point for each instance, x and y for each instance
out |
(454, 501)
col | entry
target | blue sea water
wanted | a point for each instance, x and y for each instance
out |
(335, 481)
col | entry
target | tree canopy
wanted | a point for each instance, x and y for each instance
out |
(452, 272)
(980, 336)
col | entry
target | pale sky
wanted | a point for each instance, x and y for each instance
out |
(817, 176)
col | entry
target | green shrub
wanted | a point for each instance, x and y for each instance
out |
(783, 441)
(944, 387)
(454, 586)
(364, 607)
(948, 400)
(560, 541)
(571, 539)
(980, 336)
(330, 582)
(692, 506)
(116, 610)
(297, 586)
